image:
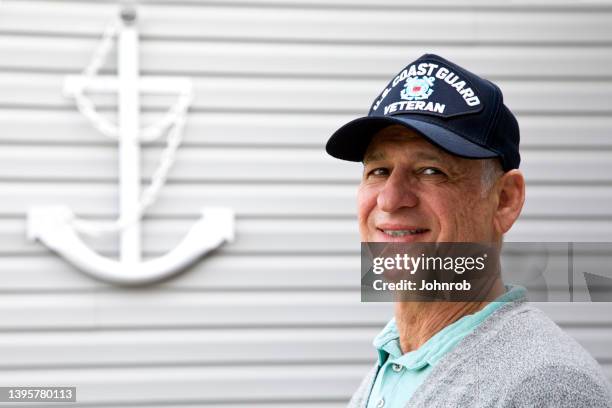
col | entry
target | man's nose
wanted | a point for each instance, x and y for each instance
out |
(398, 192)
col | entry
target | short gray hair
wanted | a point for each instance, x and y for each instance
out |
(490, 172)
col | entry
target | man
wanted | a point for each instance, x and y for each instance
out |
(440, 154)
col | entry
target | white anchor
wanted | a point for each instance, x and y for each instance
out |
(58, 228)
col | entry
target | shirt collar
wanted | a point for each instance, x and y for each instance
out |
(387, 342)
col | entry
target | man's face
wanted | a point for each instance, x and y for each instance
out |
(412, 191)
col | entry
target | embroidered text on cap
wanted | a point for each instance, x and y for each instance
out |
(428, 88)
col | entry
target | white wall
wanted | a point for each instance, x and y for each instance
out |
(273, 319)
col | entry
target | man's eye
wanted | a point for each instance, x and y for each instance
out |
(379, 171)
(431, 171)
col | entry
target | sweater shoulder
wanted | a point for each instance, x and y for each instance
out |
(527, 346)
(558, 385)
(527, 334)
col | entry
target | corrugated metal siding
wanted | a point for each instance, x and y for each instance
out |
(273, 319)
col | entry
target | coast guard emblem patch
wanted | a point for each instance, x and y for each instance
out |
(417, 88)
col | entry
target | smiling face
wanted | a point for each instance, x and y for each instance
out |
(412, 191)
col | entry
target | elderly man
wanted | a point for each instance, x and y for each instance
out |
(440, 154)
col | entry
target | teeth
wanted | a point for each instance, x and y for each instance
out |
(401, 233)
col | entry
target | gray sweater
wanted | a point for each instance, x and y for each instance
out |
(518, 357)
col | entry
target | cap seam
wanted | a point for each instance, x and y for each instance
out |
(498, 102)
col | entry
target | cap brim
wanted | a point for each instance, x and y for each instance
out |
(351, 140)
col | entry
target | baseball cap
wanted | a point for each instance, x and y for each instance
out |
(449, 106)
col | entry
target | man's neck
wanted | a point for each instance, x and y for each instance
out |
(417, 322)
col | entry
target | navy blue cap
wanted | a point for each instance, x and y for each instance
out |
(451, 107)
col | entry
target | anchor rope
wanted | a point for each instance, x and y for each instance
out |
(173, 121)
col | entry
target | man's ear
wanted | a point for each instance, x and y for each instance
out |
(511, 196)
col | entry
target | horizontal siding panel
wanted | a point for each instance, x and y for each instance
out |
(24, 90)
(208, 128)
(289, 272)
(579, 313)
(562, 230)
(326, 403)
(159, 309)
(264, 129)
(245, 199)
(568, 201)
(84, 163)
(206, 384)
(281, 272)
(147, 309)
(213, 164)
(252, 236)
(188, 347)
(221, 346)
(276, 200)
(304, 24)
(565, 131)
(282, 236)
(306, 59)
(200, 384)
(469, 4)
(216, 272)
(333, 403)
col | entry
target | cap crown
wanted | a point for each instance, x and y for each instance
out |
(435, 90)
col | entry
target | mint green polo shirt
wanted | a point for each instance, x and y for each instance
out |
(400, 374)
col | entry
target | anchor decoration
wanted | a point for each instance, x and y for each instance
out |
(58, 228)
